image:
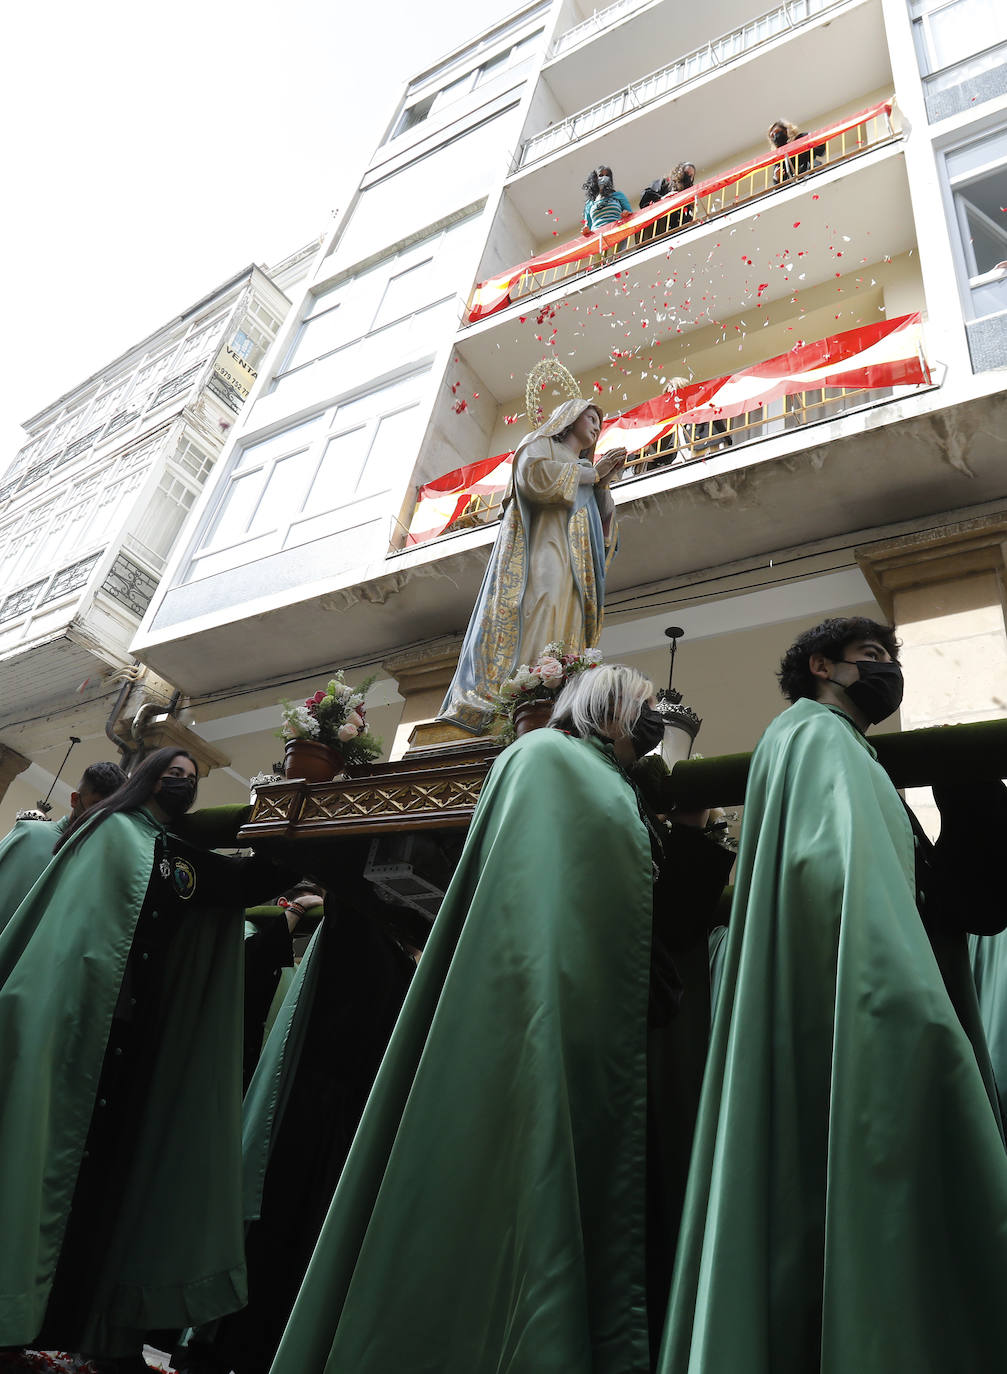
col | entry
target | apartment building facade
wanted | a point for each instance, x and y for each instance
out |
(839, 310)
(90, 508)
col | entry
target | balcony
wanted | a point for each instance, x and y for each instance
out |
(595, 24)
(679, 213)
(708, 57)
(810, 384)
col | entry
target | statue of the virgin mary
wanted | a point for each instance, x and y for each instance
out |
(545, 580)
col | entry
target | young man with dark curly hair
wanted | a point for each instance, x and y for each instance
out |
(847, 1204)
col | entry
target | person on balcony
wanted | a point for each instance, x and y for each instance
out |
(780, 133)
(513, 1166)
(847, 1203)
(545, 580)
(604, 205)
(680, 178)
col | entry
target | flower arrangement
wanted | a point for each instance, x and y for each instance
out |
(336, 717)
(541, 681)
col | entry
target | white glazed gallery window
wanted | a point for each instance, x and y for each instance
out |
(948, 31)
(977, 180)
(416, 279)
(322, 467)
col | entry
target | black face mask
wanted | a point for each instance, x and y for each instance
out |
(648, 732)
(878, 691)
(687, 179)
(780, 137)
(176, 795)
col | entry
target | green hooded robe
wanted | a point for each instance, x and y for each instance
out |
(491, 1212)
(63, 957)
(847, 1201)
(24, 852)
(989, 968)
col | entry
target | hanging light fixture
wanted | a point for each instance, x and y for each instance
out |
(681, 724)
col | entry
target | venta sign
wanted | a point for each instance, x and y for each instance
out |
(232, 369)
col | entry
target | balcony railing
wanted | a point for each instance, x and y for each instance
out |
(676, 213)
(813, 382)
(740, 41)
(598, 23)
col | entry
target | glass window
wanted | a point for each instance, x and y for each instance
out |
(350, 452)
(405, 292)
(493, 66)
(977, 178)
(283, 493)
(340, 469)
(947, 31)
(255, 454)
(394, 432)
(235, 511)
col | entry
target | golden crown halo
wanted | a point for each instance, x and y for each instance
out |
(548, 378)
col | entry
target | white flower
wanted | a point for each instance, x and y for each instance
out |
(299, 723)
(355, 700)
(532, 680)
(592, 655)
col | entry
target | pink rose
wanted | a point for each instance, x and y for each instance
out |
(551, 671)
(355, 718)
(347, 732)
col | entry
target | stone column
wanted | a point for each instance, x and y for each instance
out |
(11, 764)
(423, 676)
(944, 590)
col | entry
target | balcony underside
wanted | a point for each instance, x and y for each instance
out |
(634, 44)
(857, 474)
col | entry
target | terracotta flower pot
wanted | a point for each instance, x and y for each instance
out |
(532, 715)
(310, 760)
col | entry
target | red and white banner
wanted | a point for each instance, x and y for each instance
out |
(876, 355)
(439, 503)
(494, 293)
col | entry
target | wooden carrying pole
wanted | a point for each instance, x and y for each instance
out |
(912, 758)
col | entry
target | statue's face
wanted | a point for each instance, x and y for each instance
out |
(587, 427)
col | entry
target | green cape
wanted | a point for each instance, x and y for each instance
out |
(490, 1214)
(989, 968)
(25, 852)
(62, 958)
(847, 1201)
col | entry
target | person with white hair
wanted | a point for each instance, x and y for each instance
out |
(497, 1191)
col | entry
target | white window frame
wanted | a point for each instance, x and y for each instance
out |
(956, 216)
(331, 428)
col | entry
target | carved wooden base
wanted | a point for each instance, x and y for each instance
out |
(431, 788)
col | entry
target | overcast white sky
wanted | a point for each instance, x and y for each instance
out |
(151, 151)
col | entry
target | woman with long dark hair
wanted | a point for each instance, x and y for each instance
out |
(121, 1038)
(604, 204)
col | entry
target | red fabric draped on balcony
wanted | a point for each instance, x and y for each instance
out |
(875, 355)
(494, 293)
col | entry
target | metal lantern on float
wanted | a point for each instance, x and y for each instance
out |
(681, 724)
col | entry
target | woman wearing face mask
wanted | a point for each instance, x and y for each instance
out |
(120, 1030)
(780, 133)
(499, 1181)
